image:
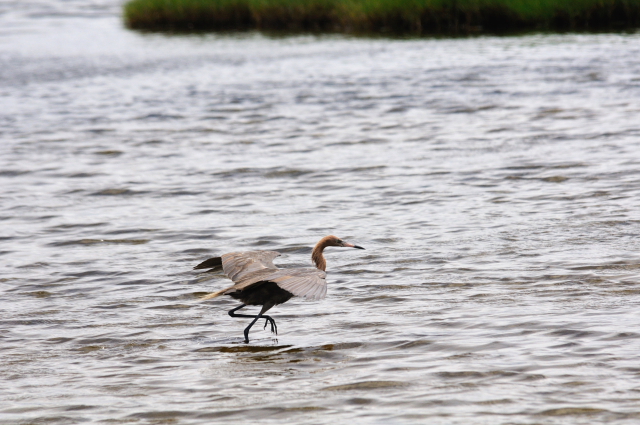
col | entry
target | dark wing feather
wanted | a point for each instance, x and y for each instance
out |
(211, 263)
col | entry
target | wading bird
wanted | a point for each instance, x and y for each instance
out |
(258, 282)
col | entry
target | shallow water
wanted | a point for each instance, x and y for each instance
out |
(493, 181)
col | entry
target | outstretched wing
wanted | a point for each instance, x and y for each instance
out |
(240, 265)
(305, 282)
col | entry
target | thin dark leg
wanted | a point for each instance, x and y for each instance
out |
(246, 331)
(232, 311)
(274, 328)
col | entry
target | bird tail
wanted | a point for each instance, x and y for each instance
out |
(215, 294)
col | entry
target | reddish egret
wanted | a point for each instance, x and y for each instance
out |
(258, 282)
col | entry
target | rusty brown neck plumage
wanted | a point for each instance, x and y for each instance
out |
(316, 255)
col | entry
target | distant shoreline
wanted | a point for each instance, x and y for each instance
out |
(409, 17)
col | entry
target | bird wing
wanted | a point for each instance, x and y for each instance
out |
(302, 282)
(241, 265)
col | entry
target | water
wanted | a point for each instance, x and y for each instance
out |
(494, 183)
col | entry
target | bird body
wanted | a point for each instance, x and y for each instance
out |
(257, 281)
(250, 268)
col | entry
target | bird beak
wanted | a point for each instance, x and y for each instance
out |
(350, 245)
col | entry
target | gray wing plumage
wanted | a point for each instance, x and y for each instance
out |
(250, 267)
(238, 265)
(303, 282)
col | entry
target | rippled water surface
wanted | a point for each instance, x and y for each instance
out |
(495, 183)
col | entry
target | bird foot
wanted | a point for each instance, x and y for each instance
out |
(274, 327)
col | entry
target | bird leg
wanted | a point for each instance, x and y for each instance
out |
(232, 311)
(269, 319)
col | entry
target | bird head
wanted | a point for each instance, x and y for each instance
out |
(335, 241)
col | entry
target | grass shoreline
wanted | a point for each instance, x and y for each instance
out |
(415, 17)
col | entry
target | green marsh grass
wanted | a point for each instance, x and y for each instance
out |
(386, 16)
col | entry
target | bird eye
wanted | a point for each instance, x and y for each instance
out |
(339, 241)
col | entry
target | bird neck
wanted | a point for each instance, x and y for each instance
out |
(317, 257)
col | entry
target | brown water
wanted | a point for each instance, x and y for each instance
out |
(495, 183)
